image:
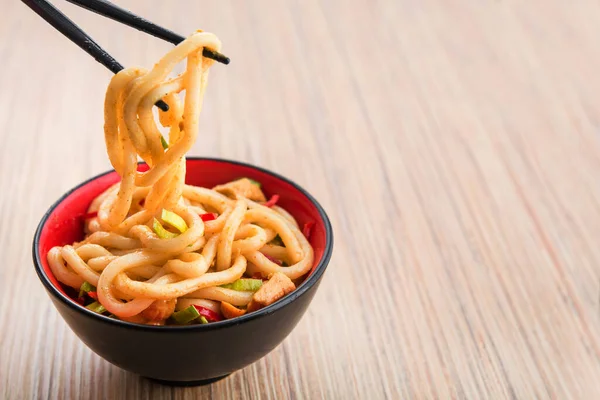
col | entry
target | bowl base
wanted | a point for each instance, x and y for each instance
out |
(200, 382)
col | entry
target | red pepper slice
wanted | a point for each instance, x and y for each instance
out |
(272, 201)
(208, 314)
(258, 275)
(276, 261)
(307, 230)
(208, 217)
(93, 295)
(90, 215)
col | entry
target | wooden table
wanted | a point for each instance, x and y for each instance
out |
(455, 146)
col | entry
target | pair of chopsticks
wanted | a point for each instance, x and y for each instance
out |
(102, 7)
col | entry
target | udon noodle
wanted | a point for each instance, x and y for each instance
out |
(155, 245)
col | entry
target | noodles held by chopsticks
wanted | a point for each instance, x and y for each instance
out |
(152, 239)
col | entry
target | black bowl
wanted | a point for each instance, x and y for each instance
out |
(193, 354)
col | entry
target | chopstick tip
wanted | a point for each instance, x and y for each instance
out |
(215, 55)
(162, 105)
(223, 59)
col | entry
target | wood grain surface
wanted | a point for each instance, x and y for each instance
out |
(454, 144)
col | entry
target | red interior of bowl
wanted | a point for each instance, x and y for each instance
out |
(65, 224)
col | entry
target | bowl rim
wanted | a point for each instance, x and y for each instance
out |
(270, 309)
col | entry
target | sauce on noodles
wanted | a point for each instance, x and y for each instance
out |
(158, 251)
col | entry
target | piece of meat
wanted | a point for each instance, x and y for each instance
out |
(274, 289)
(230, 311)
(159, 310)
(242, 187)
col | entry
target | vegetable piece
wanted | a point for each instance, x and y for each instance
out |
(210, 315)
(272, 201)
(258, 275)
(162, 232)
(208, 217)
(93, 295)
(257, 183)
(186, 315)
(277, 287)
(174, 220)
(86, 287)
(276, 261)
(230, 311)
(164, 143)
(96, 307)
(307, 229)
(244, 285)
(203, 320)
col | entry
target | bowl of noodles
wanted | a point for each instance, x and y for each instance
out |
(216, 342)
(179, 269)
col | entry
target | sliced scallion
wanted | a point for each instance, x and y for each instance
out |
(161, 231)
(186, 315)
(174, 220)
(203, 320)
(164, 143)
(96, 307)
(244, 285)
(257, 183)
(86, 287)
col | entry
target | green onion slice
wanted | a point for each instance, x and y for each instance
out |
(164, 143)
(203, 320)
(244, 285)
(186, 315)
(86, 287)
(161, 231)
(257, 183)
(96, 307)
(174, 220)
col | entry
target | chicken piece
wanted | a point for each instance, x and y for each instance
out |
(159, 310)
(242, 187)
(274, 289)
(230, 311)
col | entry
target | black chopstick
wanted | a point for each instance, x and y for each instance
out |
(112, 11)
(68, 28)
